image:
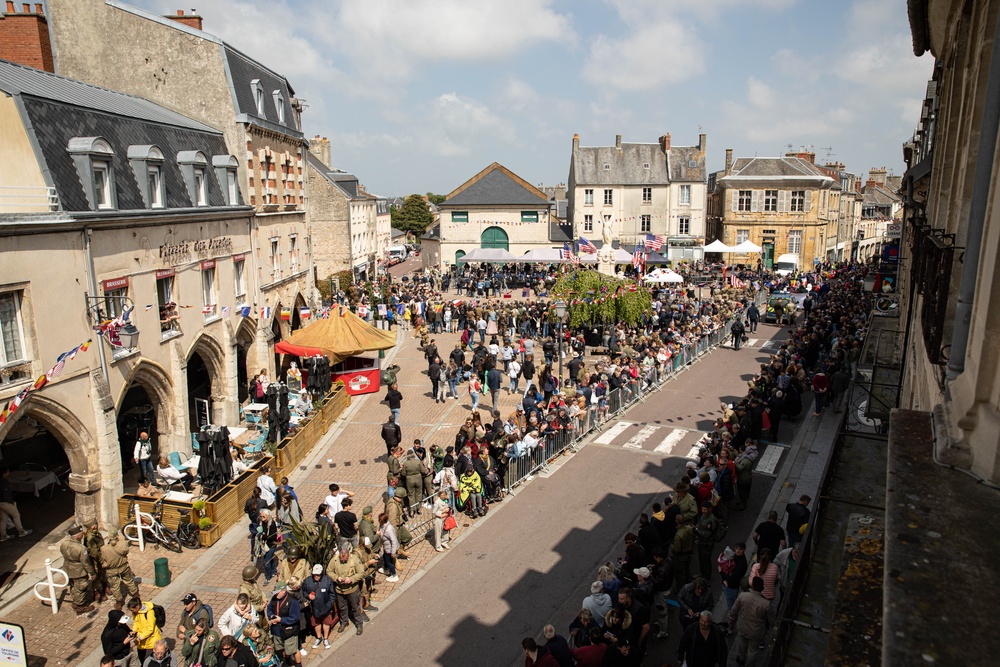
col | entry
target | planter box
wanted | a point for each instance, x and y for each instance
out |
(211, 536)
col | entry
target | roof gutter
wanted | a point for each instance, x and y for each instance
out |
(981, 190)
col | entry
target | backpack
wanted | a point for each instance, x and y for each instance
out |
(208, 608)
(161, 616)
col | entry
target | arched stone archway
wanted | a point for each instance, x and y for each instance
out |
(159, 386)
(213, 355)
(244, 336)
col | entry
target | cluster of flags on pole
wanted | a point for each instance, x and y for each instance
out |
(42, 380)
(654, 243)
(567, 253)
(735, 281)
(639, 257)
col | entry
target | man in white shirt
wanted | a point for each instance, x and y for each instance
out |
(143, 455)
(334, 501)
(268, 488)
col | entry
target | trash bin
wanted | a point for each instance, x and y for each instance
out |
(162, 572)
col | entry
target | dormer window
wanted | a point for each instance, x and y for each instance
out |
(279, 104)
(607, 167)
(258, 96)
(92, 157)
(194, 167)
(225, 167)
(147, 166)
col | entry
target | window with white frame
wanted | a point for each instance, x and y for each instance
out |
(239, 280)
(645, 223)
(647, 195)
(275, 256)
(208, 289)
(102, 184)
(155, 181)
(795, 241)
(225, 167)
(588, 223)
(114, 300)
(200, 187)
(685, 194)
(258, 96)
(742, 235)
(12, 336)
(279, 104)
(798, 201)
(645, 165)
(92, 157)
(588, 196)
(684, 225)
(609, 197)
(232, 189)
(607, 167)
(293, 252)
(771, 200)
(745, 200)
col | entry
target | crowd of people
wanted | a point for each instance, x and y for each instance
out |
(675, 554)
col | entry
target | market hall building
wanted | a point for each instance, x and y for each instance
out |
(113, 206)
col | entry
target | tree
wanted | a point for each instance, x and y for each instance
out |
(413, 215)
(595, 299)
(435, 199)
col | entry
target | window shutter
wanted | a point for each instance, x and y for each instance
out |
(736, 200)
(755, 201)
(784, 201)
(809, 200)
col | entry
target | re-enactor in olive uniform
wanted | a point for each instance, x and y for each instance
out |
(93, 540)
(347, 572)
(79, 569)
(252, 589)
(114, 560)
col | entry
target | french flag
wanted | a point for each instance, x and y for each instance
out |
(265, 313)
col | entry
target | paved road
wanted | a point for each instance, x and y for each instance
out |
(532, 560)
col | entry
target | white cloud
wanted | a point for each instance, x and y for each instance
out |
(759, 93)
(454, 126)
(646, 58)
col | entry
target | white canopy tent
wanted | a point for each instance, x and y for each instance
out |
(621, 257)
(717, 246)
(746, 248)
(542, 256)
(662, 276)
(489, 255)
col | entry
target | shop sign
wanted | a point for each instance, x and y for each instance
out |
(894, 231)
(164, 273)
(114, 283)
(179, 253)
(12, 648)
(208, 264)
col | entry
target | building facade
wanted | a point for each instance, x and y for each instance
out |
(646, 188)
(494, 209)
(173, 62)
(785, 205)
(114, 206)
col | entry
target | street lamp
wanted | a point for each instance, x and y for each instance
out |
(560, 306)
(128, 334)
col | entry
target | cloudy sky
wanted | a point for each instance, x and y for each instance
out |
(419, 95)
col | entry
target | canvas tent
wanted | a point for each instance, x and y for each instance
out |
(489, 255)
(717, 246)
(661, 276)
(338, 337)
(542, 256)
(746, 248)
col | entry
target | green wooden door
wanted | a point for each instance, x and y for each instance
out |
(768, 254)
(459, 254)
(494, 237)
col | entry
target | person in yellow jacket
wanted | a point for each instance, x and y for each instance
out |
(470, 490)
(144, 626)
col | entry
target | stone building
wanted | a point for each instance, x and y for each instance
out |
(783, 204)
(173, 62)
(650, 188)
(112, 204)
(881, 206)
(842, 233)
(496, 208)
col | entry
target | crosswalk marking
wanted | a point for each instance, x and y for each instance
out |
(752, 341)
(672, 439)
(694, 452)
(769, 461)
(608, 436)
(635, 442)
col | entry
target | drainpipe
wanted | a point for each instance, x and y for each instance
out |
(981, 188)
(87, 232)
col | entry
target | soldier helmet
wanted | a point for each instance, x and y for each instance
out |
(294, 551)
(400, 492)
(249, 573)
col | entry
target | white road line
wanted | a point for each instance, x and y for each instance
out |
(769, 461)
(635, 442)
(608, 436)
(752, 341)
(694, 451)
(672, 439)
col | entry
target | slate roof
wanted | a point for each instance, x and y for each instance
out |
(345, 182)
(243, 71)
(16, 79)
(560, 231)
(775, 166)
(432, 233)
(496, 186)
(89, 111)
(879, 196)
(626, 166)
(686, 164)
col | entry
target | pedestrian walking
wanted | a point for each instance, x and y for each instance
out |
(391, 434)
(750, 617)
(79, 570)
(394, 398)
(347, 573)
(737, 330)
(114, 559)
(475, 387)
(142, 454)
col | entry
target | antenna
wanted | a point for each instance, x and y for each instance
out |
(829, 152)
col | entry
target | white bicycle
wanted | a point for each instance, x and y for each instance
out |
(152, 528)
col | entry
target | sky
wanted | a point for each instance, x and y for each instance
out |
(421, 95)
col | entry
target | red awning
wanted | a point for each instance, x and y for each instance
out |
(284, 347)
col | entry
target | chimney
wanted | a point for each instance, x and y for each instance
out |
(665, 142)
(878, 174)
(191, 20)
(24, 37)
(576, 142)
(803, 155)
(871, 183)
(702, 142)
(729, 161)
(618, 141)
(320, 148)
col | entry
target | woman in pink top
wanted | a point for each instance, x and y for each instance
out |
(767, 571)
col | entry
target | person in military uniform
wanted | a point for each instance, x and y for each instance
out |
(79, 569)
(113, 557)
(396, 510)
(366, 556)
(347, 572)
(293, 565)
(201, 645)
(367, 528)
(252, 589)
(93, 540)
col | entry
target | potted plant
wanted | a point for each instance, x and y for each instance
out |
(210, 532)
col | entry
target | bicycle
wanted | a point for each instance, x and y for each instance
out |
(188, 531)
(153, 529)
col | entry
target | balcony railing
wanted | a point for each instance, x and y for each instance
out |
(28, 199)
(933, 255)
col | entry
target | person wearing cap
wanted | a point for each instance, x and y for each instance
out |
(318, 589)
(79, 569)
(367, 528)
(114, 559)
(367, 557)
(732, 567)
(117, 639)
(194, 611)
(685, 502)
(252, 589)
(283, 613)
(147, 634)
(347, 572)
(293, 565)
(395, 509)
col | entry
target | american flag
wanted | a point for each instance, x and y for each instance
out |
(587, 246)
(57, 370)
(567, 253)
(735, 281)
(639, 257)
(654, 243)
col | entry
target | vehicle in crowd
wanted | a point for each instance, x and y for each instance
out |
(787, 264)
(397, 254)
(778, 302)
(412, 249)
